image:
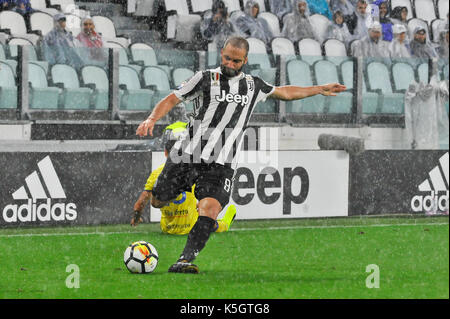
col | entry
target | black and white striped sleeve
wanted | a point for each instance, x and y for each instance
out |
(263, 88)
(190, 89)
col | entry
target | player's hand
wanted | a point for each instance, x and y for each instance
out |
(136, 219)
(332, 89)
(146, 127)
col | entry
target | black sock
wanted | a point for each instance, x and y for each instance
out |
(197, 238)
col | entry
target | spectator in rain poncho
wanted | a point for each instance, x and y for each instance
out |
(249, 25)
(346, 7)
(59, 45)
(339, 30)
(92, 43)
(357, 23)
(296, 24)
(420, 46)
(372, 45)
(443, 45)
(386, 23)
(319, 7)
(399, 48)
(6, 4)
(280, 7)
(426, 120)
(23, 7)
(215, 26)
(399, 16)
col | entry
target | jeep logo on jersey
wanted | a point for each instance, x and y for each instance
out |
(42, 188)
(436, 189)
(229, 98)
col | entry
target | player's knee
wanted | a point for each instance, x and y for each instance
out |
(209, 207)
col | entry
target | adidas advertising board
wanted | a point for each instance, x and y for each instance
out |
(291, 184)
(80, 188)
(403, 182)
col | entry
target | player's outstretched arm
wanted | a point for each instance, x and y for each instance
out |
(291, 92)
(161, 109)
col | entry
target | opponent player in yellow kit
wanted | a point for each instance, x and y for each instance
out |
(179, 216)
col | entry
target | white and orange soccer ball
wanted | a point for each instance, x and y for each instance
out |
(141, 257)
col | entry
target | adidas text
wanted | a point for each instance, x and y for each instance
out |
(32, 211)
(438, 200)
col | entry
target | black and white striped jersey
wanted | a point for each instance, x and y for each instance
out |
(222, 109)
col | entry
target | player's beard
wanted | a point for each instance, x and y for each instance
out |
(229, 72)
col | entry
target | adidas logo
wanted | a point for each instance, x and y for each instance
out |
(437, 186)
(38, 204)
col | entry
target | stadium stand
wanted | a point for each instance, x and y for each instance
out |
(320, 25)
(134, 96)
(14, 25)
(425, 10)
(272, 21)
(41, 5)
(284, 47)
(442, 8)
(42, 96)
(40, 21)
(335, 51)
(158, 81)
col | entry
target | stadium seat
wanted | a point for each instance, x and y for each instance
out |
(320, 25)
(422, 73)
(284, 47)
(272, 21)
(424, 9)
(179, 76)
(73, 96)
(403, 3)
(11, 62)
(232, 5)
(212, 55)
(41, 5)
(445, 72)
(403, 75)
(371, 101)
(16, 24)
(327, 72)
(379, 79)
(157, 80)
(200, 6)
(133, 97)
(310, 50)
(145, 53)
(413, 23)
(182, 26)
(73, 24)
(97, 79)
(143, 8)
(124, 58)
(69, 6)
(106, 27)
(335, 51)
(259, 61)
(8, 88)
(442, 8)
(42, 96)
(299, 73)
(40, 21)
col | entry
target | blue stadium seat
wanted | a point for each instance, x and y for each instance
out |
(134, 97)
(97, 78)
(299, 73)
(73, 96)
(326, 72)
(8, 88)
(378, 77)
(42, 96)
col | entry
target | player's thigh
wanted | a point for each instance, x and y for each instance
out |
(214, 183)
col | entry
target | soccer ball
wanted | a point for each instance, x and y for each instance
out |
(141, 257)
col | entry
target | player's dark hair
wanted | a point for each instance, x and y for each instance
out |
(238, 42)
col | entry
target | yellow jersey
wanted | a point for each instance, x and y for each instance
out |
(179, 216)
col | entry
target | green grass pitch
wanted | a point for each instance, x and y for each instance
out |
(282, 259)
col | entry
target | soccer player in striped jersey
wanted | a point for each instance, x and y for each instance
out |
(179, 216)
(224, 99)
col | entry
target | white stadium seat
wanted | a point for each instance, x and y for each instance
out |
(425, 10)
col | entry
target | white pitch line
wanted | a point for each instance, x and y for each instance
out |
(232, 230)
